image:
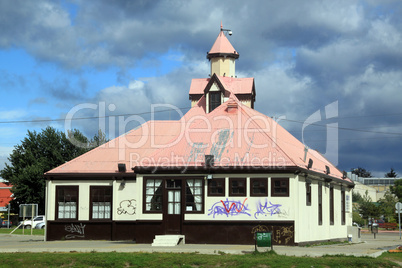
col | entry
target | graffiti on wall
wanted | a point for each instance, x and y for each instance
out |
(127, 207)
(229, 208)
(237, 207)
(75, 230)
(259, 228)
(281, 235)
(266, 209)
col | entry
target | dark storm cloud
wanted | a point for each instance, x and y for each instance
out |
(304, 55)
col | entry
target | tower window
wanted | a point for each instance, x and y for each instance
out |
(214, 100)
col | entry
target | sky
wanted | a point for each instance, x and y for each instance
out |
(330, 72)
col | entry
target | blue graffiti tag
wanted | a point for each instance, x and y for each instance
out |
(265, 209)
(229, 208)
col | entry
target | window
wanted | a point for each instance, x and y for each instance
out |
(320, 203)
(343, 210)
(153, 195)
(101, 202)
(331, 205)
(308, 193)
(258, 187)
(214, 100)
(194, 195)
(67, 202)
(237, 186)
(216, 187)
(279, 186)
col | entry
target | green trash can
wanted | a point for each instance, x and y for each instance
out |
(263, 239)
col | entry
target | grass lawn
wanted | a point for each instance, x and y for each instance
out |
(114, 259)
(19, 231)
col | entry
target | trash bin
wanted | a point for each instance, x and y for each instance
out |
(263, 239)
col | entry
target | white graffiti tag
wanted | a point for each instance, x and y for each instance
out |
(75, 230)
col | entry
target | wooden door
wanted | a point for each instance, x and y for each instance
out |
(173, 210)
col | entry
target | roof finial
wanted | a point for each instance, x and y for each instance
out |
(221, 26)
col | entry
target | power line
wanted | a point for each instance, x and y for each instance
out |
(185, 108)
(345, 128)
(84, 118)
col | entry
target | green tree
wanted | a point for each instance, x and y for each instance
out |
(387, 205)
(98, 139)
(361, 172)
(391, 174)
(396, 189)
(37, 154)
(367, 207)
(356, 197)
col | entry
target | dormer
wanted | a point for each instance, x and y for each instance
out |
(215, 94)
(243, 88)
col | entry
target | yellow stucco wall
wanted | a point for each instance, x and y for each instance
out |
(223, 67)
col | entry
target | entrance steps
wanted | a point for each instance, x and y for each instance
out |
(168, 240)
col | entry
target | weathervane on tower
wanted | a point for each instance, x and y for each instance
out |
(227, 31)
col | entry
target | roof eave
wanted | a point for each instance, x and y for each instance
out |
(210, 170)
(225, 55)
(89, 176)
(326, 177)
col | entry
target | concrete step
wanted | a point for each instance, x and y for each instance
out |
(168, 240)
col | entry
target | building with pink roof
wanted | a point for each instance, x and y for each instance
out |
(5, 196)
(220, 174)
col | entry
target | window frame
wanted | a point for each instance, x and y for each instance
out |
(70, 187)
(231, 180)
(92, 189)
(343, 207)
(331, 205)
(210, 187)
(308, 193)
(319, 203)
(144, 208)
(265, 180)
(213, 102)
(202, 187)
(274, 194)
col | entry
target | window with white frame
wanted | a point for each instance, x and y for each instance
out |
(194, 195)
(153, 195)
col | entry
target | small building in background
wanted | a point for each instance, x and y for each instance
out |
(375, 187)
(5, 197)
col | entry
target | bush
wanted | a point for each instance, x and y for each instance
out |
(357, 219)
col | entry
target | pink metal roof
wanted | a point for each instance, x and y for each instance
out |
(237, 136)
(222, 45)
(235, 85)
(129, 148)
